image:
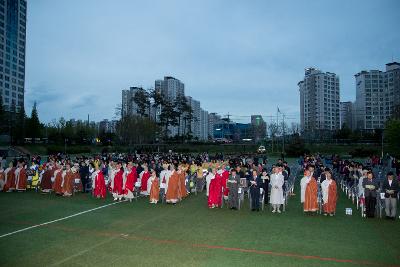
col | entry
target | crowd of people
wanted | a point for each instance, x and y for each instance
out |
(171, 177)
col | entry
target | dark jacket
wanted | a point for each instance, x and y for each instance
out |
(394, 187)
(258, 182)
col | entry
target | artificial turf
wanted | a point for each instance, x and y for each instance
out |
(188, 234)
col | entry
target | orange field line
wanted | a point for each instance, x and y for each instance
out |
(206, 246)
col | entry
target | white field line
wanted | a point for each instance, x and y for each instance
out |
(57, 220)
(80, 253)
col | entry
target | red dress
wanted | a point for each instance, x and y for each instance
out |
(131, 179)
(145, 178)
(118, 182)
(215, 194)
(100, 186)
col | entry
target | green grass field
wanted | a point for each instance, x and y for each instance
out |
(188, 234)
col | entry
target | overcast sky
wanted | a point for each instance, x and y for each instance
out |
(241, 57)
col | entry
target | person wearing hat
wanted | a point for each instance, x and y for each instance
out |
(233, 185)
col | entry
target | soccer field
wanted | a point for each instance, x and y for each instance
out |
(188, 234)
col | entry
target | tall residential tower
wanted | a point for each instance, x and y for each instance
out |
(319, 101)
(12, 53)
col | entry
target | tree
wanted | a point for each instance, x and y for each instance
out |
(34, 126)
(20, 125)
(343, 133)
(141, 98)
(392, 135)
(158, 100)
(273, 130)
(168, 116)
(134, 129)
(182, 107)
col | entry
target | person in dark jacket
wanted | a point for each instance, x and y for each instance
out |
(390, 187)
(255, 183)
(370, 186)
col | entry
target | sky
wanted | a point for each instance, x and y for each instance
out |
(234, 56)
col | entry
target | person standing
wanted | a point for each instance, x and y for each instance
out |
(370, 186)
(233, 186)
(309, 191)
(390, 188)
(20, 176)
(182, 193)
(329, 194)
(68, 181)
(129, 181)
(173, 183)
(154, 188)
(209, 177)
(277, 181)
(215, 194)
(255, 184)
(58, 179)
(265, 184)
(118, 182)
(144, 177)
(98, 182)
(9, 175)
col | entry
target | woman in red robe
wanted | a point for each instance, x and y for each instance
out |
(118, 191)
(98, 184)
(215, 194)
(131, 178)
(144, 177)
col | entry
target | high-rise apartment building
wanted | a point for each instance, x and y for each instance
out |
(319, 101)
(377, 96)
(129, 106)
(12, 53)
(346, 114)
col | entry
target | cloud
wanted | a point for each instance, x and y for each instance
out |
(242, 57)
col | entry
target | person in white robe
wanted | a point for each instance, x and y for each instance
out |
(276, 198)
(209, 177)
(360, 183)
(303, 185)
